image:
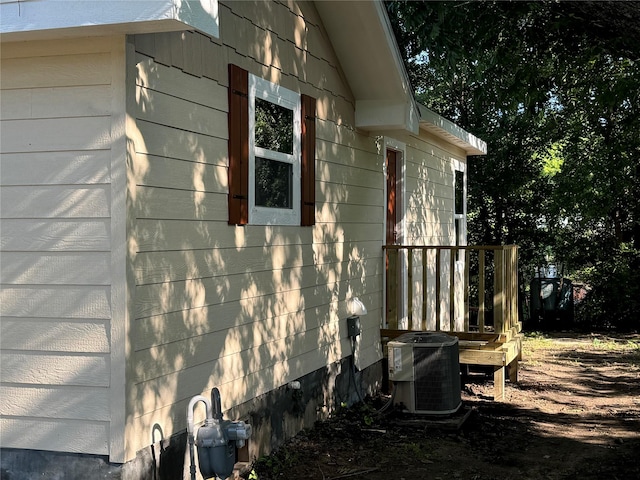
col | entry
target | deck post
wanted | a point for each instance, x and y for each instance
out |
(410, 288)
(513, 280)
(424, 289)
(465, 301)
(452, 289)
(481, 290)
(498, 383)
(513, 371)
(438, 288)
(498, 291)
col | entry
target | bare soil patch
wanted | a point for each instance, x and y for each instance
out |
(575, 413)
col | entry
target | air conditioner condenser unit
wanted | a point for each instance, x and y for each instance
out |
(425, 369)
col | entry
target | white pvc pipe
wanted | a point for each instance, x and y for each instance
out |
(190, 408)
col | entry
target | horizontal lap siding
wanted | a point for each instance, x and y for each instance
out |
(429, 190)
(430, 215)
(55, 235)
(246, 309)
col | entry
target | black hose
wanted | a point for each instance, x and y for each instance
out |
(192, 468)
(389, 403)
(353, 369)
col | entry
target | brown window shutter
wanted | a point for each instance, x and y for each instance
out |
(308, 167)
(238, 145)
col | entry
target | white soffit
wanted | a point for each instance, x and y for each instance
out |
(449, 131)
(33, 19)
(365, 45)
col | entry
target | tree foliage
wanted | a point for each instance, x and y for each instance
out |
(553, 87)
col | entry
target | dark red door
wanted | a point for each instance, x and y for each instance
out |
(391, 265)
(392, 234)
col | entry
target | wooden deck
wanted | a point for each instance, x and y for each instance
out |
(488, 288)
(501, 351)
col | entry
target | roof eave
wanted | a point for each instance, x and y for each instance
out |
(447, 130)
(371, 63)
(53, 19)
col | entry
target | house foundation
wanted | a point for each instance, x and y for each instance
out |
(275, 417)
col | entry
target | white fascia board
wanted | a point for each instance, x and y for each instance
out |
(18, 19)
(396, 56)
(451, 132)
(379, 83)
(386, 115)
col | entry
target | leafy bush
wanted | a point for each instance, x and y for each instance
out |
(614, 299)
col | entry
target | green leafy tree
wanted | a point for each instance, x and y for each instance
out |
(553, 89)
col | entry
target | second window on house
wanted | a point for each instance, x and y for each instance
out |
(460, 207)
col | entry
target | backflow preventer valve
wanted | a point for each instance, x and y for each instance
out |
(218, 439)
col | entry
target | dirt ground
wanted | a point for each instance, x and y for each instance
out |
(574, 414)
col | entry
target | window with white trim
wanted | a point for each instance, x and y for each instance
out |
(274, 154)
(271, 153)
(460, 206)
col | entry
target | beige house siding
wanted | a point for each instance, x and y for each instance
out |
(124, 290)
(429, 166)
(430, 190)
(56, 303)
(246, 309)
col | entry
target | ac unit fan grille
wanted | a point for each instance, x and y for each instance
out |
(437, 378)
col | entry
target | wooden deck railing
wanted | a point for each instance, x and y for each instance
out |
(456, 289)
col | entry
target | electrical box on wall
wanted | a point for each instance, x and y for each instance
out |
(353, 326)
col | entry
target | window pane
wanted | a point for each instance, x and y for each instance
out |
(273, 183)
(459, 192)
(274, 127)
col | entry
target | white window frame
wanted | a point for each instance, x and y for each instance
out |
(265, 90)
(401, 217)
(459, 166)
(401, 178)
(460, 239)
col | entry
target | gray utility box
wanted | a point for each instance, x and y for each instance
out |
(425, 370)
